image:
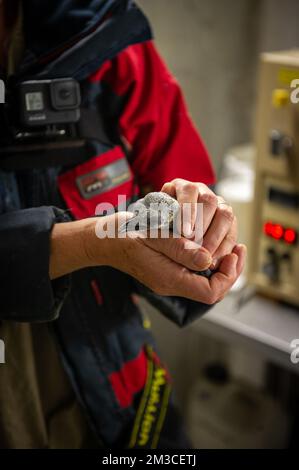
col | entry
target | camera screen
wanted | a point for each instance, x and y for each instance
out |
(34, 101)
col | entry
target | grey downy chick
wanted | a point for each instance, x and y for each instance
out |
(156, 210)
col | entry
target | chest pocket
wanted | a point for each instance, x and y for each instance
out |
(102, 179)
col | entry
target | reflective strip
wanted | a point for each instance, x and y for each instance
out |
(153, 405)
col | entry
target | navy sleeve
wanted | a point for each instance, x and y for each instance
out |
(177, 309)
(26, 291)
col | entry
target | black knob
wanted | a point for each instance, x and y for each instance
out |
(280, 144)
(271, 267)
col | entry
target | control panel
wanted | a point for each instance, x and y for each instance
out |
(274, 251)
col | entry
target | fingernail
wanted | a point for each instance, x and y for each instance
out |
(202, 258)
(235, 259)
(187, 229)
(214, 263)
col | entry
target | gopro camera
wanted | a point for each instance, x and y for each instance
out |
(49, 102)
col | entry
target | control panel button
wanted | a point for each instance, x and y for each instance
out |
(280, 97)
(271, 267)
(280, 144)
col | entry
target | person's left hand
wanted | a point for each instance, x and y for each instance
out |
(219, 222)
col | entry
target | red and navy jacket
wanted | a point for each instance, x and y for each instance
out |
(141, 136)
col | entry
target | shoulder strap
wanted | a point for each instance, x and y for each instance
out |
(69, 152)
(89, 53)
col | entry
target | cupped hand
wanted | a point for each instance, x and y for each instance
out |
(166, 266)
(219, 224)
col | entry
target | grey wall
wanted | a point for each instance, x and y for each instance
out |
(212, 47)
(280, 25)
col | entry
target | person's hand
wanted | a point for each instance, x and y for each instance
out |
(219, 222)
(166, 266)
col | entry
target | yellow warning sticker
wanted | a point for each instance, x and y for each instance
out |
(286, 76)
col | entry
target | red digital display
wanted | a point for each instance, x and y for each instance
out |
(290, 236)
(278, 232)
(268, 228)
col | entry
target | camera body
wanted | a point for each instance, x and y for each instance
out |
(41, 117)
(49, 102)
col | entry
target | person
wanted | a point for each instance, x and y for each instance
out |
(82, 368)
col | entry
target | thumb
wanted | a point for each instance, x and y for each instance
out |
(182, 251)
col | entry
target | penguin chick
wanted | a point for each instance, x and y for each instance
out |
(156, 210)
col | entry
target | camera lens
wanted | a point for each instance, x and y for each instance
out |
(65, 94)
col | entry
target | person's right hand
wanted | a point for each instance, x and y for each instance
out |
(166, 266)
